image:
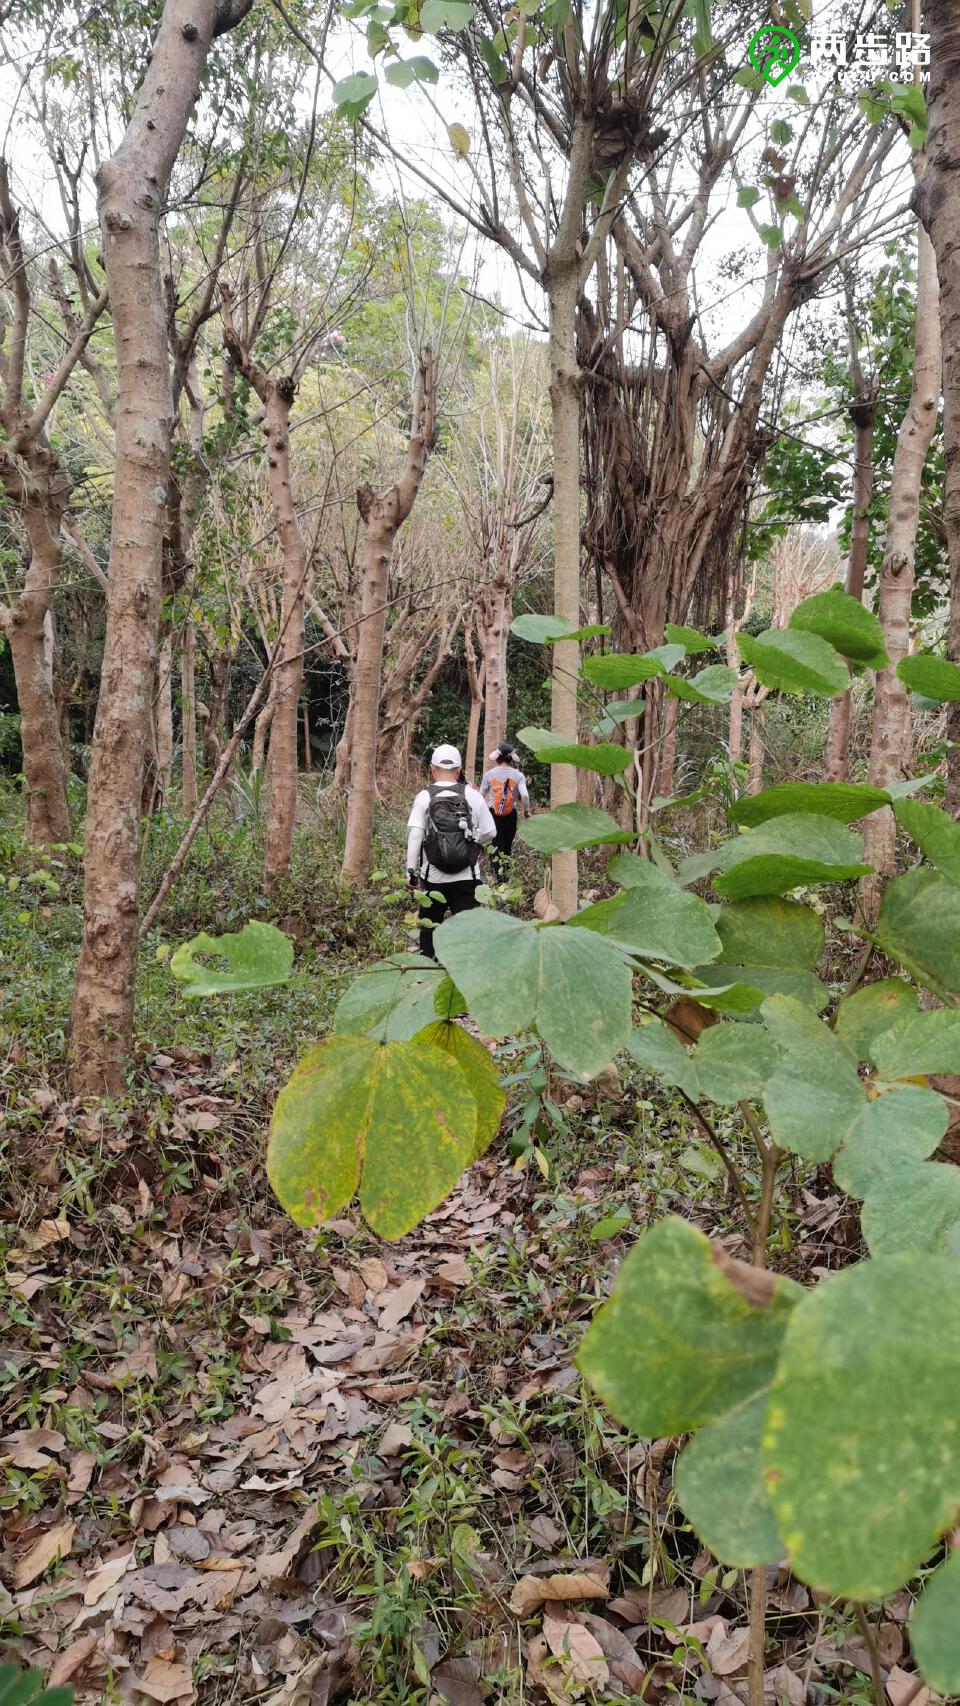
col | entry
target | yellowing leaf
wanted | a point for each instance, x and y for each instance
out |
(459, 140)
(51, 1546)
(397, 1119)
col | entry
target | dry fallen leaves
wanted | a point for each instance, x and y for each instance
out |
(533, 1591)
(579, 1654)
(53, 1545)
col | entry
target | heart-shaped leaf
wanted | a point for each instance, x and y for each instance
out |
(257, 957)
(845, 623)
(843, 801)
(794, 662)
(566, 828)
(398, 1119)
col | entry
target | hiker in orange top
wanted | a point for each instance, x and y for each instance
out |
(505, 790)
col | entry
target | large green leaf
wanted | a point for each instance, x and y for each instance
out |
(656, 1048)
(566, 828)
(711, 686)
(844, 622)
(395, 999)
(682, 1339)
(919, 925)
(571, 986)
(734, 1061)
(479, 1071)
(906, 1124)
(402, 72)
(19, 1687)
(750, 985)
(398, 1119)
(549, 630)
(814, 1096)
(936, 835)
(935, 1628)
(719, 1482)
(861, 1446)
(934, 677)
(865, 1015)
(606, 758)
(844, 801)
(919, 1043)
(794, 662)
(654, 917)
(257, 957)
(914, 1205)
(690, 639)
(770, 931)
(618, 670)
(785, 852)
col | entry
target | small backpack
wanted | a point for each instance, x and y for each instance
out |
(448, 836)
(503, 795)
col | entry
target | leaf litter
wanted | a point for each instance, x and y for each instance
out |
(202, 1408)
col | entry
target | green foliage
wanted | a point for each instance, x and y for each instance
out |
(572, 989)
(258, 957)
(25, 1688)
(795, 661)
(919, 925)
(779, 855)
(869, 1375)
(551, 629)
(399, 1120)
(605, 758)
(566, 828)
(935, 1628)
(844, 801)
(934, 677)
(846, 623)
(654, 918)
(690, 639)
(393, 1000)
(936, 835)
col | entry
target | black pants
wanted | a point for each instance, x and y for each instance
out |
(456, 897)
(506, 827)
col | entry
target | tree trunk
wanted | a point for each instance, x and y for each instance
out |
(132, 188)
(288, 679)
(890, 735)
(44, 770)
(261, 729)
(382, 516)
(669, 750)
(565, 410)
(755, 784)
(937, 200)
(188, 714)
(494, 636)
(165, 716)
(307, 751)
(477, 683)
(863, 412)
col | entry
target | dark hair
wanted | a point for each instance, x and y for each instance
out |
(505, 750)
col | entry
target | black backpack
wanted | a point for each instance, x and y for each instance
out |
(447, 836)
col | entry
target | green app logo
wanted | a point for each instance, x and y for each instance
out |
(774, 53)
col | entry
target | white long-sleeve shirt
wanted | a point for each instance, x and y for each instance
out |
(482, 825)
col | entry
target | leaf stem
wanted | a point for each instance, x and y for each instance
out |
(716, 1140)
(869, 1642)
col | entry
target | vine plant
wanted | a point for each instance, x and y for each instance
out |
(825, 1421)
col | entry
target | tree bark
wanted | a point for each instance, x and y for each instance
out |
(475, 679)
(165, 716)
(188, 713)
(755, 784)
(496, 623)
(382, 516)
(132, 188)
(863, 413)
(937, 201)
(890, 736)
(565, 410)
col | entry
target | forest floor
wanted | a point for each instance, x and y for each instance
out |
(242, 1462)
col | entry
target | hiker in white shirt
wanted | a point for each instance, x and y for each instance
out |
(505, 790)
(448, 825)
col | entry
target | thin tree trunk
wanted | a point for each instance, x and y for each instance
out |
(188, 714)
(307, 752)
(165, 716)
(755, 784)
(863, 413)
(44, 769)
(890, 736)
(133, 189)
(382, 516)
(288, 679)
(937, 201)
(669, 751)
(476, 680)
(495, 665)
(565, 409)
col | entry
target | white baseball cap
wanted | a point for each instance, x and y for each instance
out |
(446, 758)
